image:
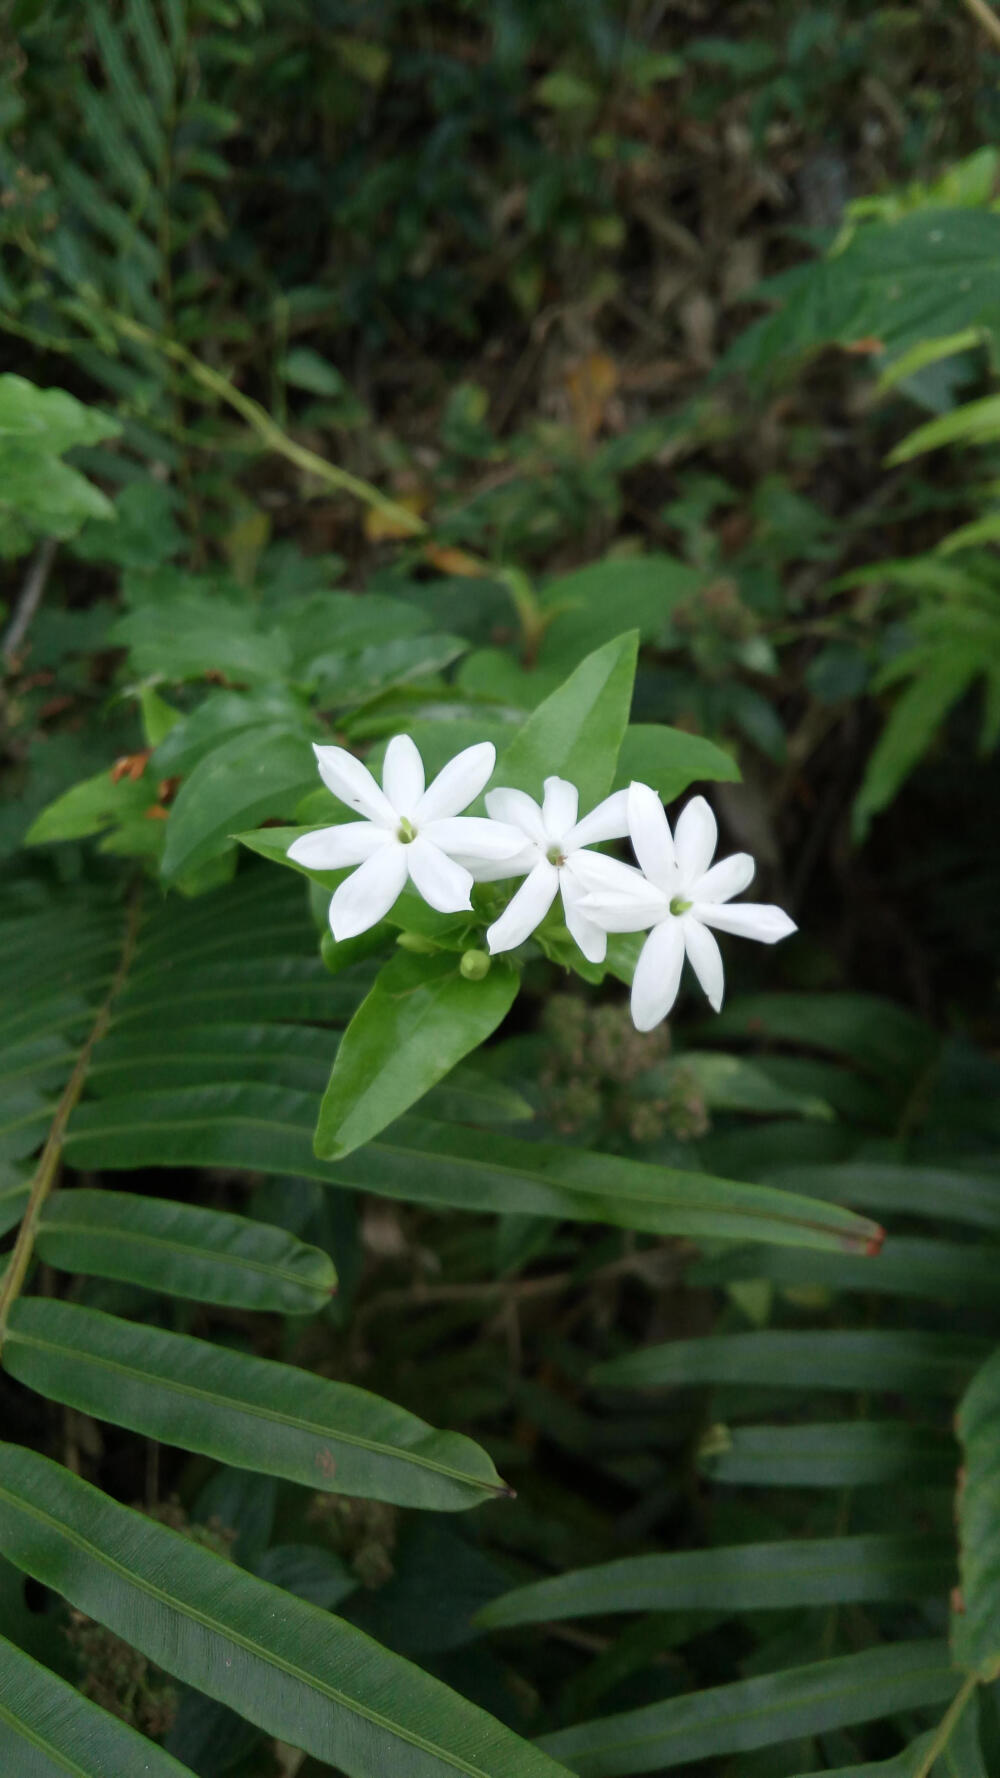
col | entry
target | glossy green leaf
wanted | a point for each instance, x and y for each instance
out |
(671, 760)
(880, 1360)
(420, 1019)
(299, 1673)
(268, 1129)
(759, 1712)
(90, 807)
(209, 1255)
(48, 1730)
(244, 1411)
(255, 774)
(742, 1577)
(577, 732)
(832, 1454)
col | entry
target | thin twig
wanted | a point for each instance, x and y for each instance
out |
(30, 598)
(985, 16)
(47, 1170)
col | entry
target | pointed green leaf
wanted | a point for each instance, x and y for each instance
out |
(268, 1129)
(247, 1412)
(670, 759)
(760, 1712)
(252, 775)
(299, 1673)
(577, 732)
(48, 1730)
(917, 1363)
(419, 1020)
(743, 1577)
(208, 1255)
(833, 1454)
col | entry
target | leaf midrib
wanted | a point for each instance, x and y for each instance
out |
(183, 1251)
(375, 1446)
(216, 1627)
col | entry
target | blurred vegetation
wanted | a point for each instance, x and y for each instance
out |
(531, 322)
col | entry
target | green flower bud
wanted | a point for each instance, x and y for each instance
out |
(475, 965)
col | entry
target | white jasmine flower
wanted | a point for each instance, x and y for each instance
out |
(553, 843)
(680, 895)
(408, 832)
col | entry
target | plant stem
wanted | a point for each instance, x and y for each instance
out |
(267, 429)
(947, 1726)
(985, 16)
(47, 1170)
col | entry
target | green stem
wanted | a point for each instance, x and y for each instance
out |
(947, 1726)
(47, 1170)
(268, 430)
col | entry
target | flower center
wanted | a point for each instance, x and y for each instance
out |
(679, 906)
(406, 831)
(555, 857)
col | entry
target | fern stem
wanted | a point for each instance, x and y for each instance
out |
(947, 1726)
(268, 429)
(47, 1170)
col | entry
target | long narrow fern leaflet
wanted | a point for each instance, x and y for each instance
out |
(300, 1673)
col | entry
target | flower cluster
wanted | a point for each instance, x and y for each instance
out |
(417, 833)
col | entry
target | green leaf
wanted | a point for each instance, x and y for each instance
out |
(962, 1757)
(975, 1632)
(48, 1730)
(90, 807)
(671, 760)
(299, 1673)
(907, 1266)
(578, 730)
(759, 1712)
(879, 1361)
(743, 1577)
(974, 423)
(267, 1129)
(420, 1018)
(592, 605)
(257, 773)
(882, 1038)
(188, 635)
(208, 1255)
(49, 419)
(247, 1412)
(834, 1454)
(915, 720)
(939, 1193)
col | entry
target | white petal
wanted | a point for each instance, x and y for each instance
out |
(354, 784)
(525, 911)
(444, 885)
(695, 837)
(705, 959)
(368, 894)
(615, 913)
(747, 919)
(331, 848)
(559, 808)
(403, 775)
(457, 784)
(521, 810)
(657, 975)
(609, 821)
(601, 875)
(496, 870)
(591, 938)
(473, 836)
(727, 878)
(649, 830)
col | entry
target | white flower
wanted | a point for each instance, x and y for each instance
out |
(680, 897)
(408, 832)
(553, 843)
